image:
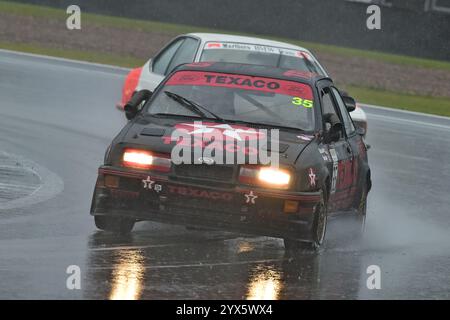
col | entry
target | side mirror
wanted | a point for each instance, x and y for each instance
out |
(360, 130)
(350, 103)
(133, 107)
(334, 133)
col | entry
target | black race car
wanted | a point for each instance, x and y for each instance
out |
(236, 147)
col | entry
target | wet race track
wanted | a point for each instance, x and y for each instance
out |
(56, 120)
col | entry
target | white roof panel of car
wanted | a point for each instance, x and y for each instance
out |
(218, 37)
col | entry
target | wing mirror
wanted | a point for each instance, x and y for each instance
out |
(334, 132)
(134, 106)
(350, 103)
(361, 131)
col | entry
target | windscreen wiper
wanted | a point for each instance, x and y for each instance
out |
(173, 115)
(192, 106)
(263, 124)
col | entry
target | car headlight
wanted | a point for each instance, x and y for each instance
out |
(142, 159)
(265, 177)
(274, 176)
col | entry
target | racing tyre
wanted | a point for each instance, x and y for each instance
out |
(319, 227)
(117, 225)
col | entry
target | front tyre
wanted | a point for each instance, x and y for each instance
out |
(318, 230)
(119, 225)
(361, 213)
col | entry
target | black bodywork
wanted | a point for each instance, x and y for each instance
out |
(211, 196)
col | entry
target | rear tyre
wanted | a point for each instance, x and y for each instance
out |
(119, 225)
(318, 230)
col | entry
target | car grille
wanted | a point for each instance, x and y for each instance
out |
(203, 171)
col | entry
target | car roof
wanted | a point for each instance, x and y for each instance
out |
(219, 37)
(253, 70)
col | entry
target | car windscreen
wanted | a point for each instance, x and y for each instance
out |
(260, 55)
(238, 97)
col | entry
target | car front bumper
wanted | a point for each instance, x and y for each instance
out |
(147, 196)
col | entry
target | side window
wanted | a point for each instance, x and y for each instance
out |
(328, 106)
(185, 54)
(162, 61)
(348, 123)
(327, 102)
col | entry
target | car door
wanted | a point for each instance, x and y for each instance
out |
(355, 142)
(180, 50)
(340, 153)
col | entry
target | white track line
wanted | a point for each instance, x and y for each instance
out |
(72, 61)
(416, 122)
(370, 106)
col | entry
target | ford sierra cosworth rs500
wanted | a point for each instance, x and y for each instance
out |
(236, 147)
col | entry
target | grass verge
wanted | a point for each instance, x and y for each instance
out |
(434, 105)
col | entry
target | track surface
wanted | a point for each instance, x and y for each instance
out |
(58, 117)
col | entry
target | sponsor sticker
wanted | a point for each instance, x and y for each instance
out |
(250, 198)
(257, 48)
(324, 154)
(200, 193)
(244, 82)
(312, 177)
(298, 74)
(335, 159)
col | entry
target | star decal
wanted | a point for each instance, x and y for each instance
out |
(312, 177)
(148, 183)
(250, 197)
(226, 129)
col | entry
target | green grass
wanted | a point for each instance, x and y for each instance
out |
(98, 57)
(433, 105)
(439, 106)
(375, 55)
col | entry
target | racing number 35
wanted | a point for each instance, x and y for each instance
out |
(302, 102)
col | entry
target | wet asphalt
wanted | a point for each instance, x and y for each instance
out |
(56, 120)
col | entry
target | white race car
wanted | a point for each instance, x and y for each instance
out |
(204, 47)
